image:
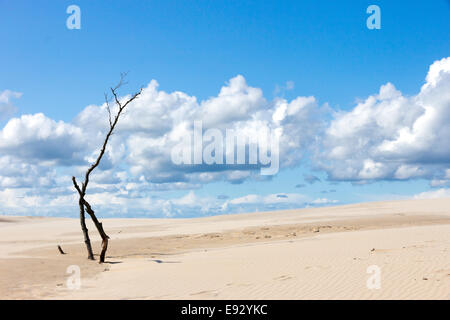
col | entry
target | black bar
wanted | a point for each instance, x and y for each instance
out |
(225, 309)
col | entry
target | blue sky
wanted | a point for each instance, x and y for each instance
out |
(322, 48)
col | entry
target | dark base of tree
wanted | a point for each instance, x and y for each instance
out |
(104, 248)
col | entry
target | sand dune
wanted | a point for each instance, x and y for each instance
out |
(297, 254)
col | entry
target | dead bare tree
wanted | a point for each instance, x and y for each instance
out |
(84, 205)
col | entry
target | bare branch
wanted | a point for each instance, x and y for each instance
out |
(123, 75)
(75, 184)
(109, 110)
(108, 135)
(113, 91)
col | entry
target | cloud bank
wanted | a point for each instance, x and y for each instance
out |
(392, 136)
(388, 136)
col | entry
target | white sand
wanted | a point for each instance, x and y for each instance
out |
(298, 254)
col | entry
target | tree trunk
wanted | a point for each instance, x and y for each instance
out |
(87, 241)
(100, 230)
(104, 248)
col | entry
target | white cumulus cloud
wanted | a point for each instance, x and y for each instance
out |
(392, 136)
